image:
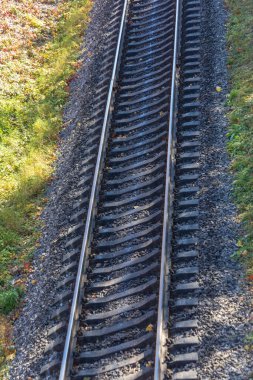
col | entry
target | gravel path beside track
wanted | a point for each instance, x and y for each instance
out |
(224, 303)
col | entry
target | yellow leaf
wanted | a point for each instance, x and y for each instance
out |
(149, 364)
(150, 327)
(10, 356)
(218, 89)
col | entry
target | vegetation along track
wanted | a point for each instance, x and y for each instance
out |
(133, 290)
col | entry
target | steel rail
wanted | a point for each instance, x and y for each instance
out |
(162, 303)
(69, 342)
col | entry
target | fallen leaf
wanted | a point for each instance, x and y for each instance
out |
(34, 282)
(149, 363)
(150, 327)
(11, 352)
(218, 88)
(27, 267)
(10, 357)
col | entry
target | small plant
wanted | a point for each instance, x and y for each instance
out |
(8, 300)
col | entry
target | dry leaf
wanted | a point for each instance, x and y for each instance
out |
(27, 267)
(150, 327)
(10, 357)
(218, 89)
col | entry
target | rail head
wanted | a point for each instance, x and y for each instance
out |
(71, 331)
(162, 301)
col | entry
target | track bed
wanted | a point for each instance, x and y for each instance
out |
(132, 258)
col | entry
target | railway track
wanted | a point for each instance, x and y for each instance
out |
(127, 304)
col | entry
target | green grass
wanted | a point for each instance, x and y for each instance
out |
(30, 119)
(240, 64)
(34, 89)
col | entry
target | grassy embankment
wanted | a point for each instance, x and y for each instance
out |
(240, 64)
(39, 48)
